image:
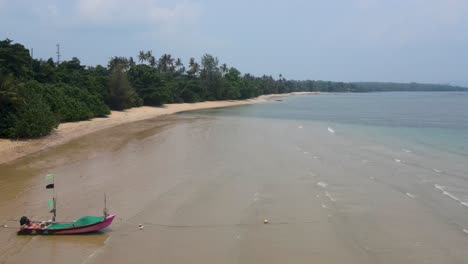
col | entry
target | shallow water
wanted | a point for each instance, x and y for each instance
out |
(203, 183)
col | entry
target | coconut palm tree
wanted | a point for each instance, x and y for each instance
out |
(224, 68)
(142, 56)
(115, 61)
(152, 61)
(194, 67)
(179, 66)
(166, 63)
(149, 54)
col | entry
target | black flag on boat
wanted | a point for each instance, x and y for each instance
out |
(50, 186)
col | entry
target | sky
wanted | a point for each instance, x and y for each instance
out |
(338, 40)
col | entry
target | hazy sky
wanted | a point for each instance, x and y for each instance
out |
(341, 40)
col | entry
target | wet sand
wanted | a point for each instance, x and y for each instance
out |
(14, 149)
(202, 187)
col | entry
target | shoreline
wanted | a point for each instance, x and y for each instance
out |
(11, 150)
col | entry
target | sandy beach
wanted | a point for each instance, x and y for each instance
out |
(13, 149)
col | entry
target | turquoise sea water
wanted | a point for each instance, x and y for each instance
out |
(437, 120)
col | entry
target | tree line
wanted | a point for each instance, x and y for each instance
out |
(36, 94)
(404, 87)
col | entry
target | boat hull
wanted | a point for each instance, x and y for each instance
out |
(35, 230)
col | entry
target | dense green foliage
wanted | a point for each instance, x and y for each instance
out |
(36, 94)
(32, 116)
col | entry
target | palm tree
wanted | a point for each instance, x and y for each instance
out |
(115, 61)
(152, 61)
(142, 56)
(166, 63)
(170, 63)
(149, 54)
(224, 68)
(194, 67)
(179, 66)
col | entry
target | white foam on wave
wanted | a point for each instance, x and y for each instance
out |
(330, 196)
(322, 184)
(306, 153)
(91, 256)
(407, 150)
(465, 231)
(397, 160)
(315, 157)
(300, 127)
(331, 130)
(410, 195)
(451, 196)
(442, 189)
(324, 206)
(372, 178)
(436, 170)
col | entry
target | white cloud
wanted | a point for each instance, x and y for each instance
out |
(154, 13)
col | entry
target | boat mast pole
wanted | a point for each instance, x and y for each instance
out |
(55, 201)
(105, 205)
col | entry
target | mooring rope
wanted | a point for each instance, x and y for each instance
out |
(214, 225)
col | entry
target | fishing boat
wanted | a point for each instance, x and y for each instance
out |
(85, 224)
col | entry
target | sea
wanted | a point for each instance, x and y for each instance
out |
(437, 120)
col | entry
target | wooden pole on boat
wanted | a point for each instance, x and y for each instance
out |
(55, 201)
(52, 202)
(105, 206)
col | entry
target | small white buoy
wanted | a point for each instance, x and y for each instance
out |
(265, 221)
(140, 226)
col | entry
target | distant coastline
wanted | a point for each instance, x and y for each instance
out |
(11, 150)
(405, 87)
